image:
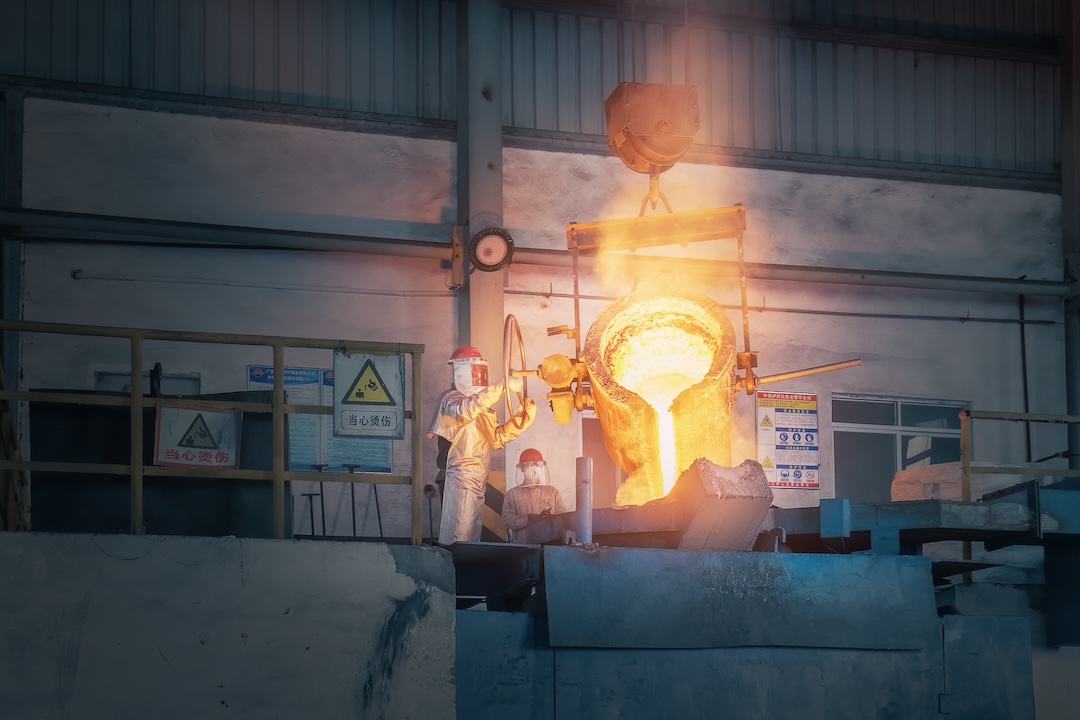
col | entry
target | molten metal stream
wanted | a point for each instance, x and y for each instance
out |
(658, 364)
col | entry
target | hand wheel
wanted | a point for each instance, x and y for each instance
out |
(512, 337)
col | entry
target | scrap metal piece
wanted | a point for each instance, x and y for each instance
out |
(731, 504)
(710, 508)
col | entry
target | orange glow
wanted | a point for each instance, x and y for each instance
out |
(659, 363)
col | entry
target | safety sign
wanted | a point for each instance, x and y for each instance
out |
(787, 435)
(368, 388)
(370, 399)
(197, 438)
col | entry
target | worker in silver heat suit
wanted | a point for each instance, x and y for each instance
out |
(534, 496)
(464, 418)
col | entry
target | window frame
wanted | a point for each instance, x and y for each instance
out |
(898, 431)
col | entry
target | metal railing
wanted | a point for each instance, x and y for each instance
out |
(278, 475)
(967, 470)
(14, 484)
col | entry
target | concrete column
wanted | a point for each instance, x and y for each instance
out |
(479, 157)
(480, 160)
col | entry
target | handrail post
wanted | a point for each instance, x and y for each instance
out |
(278, 449)
(965, 455)
(137, 526)
(417, 448)
(965, 476)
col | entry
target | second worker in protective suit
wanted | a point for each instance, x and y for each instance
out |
(470, 431)
(534, 496)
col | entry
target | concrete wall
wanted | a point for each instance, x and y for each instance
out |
(117, 627)
(914, 343)
(117, 161)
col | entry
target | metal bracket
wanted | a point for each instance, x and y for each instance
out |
(458, 274)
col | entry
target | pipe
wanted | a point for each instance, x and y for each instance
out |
(338, 289)
(796, 311)
(322, 507)
(809, 371)
(229, 235)
(311, 510)
(583, 520)
(378, 511)
(79, 274)
(238, 236)
(807, 274)
(883, 278)
(1024, 378)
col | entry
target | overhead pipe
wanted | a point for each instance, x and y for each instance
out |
(806, 274)
(104, 228)
(239, 236)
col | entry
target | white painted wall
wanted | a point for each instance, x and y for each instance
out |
(180, 627)
(178, 167)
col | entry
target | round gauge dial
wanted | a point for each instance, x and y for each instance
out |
(491, 249)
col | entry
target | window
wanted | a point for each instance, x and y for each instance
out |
(874, 437)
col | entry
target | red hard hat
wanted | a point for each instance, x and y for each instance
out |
(465, 352)
(530, 455)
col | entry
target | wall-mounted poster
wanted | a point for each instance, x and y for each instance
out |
(787, 439)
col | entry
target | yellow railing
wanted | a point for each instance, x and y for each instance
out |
(137, 469)
(966, 469)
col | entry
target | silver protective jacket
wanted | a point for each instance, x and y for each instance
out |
(473, 430)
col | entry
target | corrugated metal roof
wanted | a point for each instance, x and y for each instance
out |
(952, 83)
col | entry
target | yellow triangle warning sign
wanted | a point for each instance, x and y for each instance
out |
(368, 388)
(767, 463)
(766, 422)
(198, 435)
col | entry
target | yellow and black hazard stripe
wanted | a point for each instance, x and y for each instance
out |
(494, 529)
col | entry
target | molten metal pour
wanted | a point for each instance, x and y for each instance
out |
(660, 366)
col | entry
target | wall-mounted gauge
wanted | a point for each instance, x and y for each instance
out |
(491, 249)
